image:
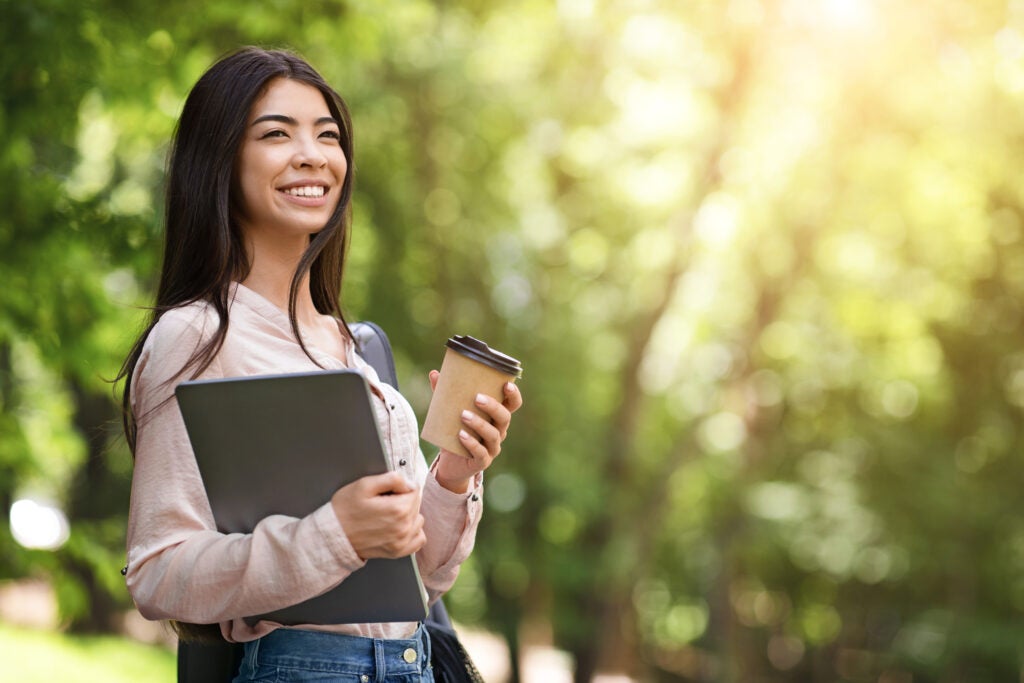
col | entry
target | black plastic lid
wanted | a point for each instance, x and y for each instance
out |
(482, 353)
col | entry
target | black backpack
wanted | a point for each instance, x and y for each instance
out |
(203, 662)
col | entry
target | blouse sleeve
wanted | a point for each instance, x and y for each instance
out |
(451, 521)
(179, 566)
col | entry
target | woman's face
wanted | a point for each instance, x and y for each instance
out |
(290, 165)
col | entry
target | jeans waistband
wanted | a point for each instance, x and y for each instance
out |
(374, 658)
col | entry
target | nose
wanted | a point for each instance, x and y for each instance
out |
(308, 153)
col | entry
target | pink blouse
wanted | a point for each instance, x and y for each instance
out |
(180, 567)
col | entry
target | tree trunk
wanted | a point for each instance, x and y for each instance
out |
(8, 428)
(96, 494)
(586, 651)
(621, 519)
(511, 633)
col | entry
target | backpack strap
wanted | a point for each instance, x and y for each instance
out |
(375, 348)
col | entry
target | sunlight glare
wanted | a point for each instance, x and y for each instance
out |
(1009, 73)
(717, 220)
(838, 15)
(662, 182)
(653, 37)
(724, 431)
(38, 525)
(654, 111)
(848, 13)
(576, 10)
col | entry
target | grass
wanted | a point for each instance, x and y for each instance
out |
(38, 656)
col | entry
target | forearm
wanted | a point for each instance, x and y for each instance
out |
(210, 577)
(451, 523)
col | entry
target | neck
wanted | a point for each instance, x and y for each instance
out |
(270, 276)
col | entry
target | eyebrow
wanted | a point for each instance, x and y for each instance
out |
(292, 122)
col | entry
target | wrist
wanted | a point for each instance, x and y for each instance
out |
(456, 482)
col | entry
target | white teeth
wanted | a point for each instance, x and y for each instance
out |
(307, 191)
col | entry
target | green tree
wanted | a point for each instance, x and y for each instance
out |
(762, 262)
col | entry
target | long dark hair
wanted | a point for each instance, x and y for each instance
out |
(203, 247)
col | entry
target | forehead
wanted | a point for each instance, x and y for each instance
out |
(292, 98)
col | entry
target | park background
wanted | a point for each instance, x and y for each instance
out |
(763, 261)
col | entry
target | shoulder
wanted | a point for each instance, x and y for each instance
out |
(174, 341)
(195, 322)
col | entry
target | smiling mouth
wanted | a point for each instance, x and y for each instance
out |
(312, 191)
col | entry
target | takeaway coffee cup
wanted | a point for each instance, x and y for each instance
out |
(470, 367)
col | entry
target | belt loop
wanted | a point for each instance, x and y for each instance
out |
(380, 662)
(425, 639)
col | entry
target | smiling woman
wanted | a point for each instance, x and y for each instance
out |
(289, 176)
(257, 223)
(291, 166)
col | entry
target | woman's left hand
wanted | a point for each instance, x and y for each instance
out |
(482, 438)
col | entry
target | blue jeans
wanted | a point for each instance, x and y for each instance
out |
(288, 655)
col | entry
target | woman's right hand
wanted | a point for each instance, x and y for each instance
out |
(381, 515)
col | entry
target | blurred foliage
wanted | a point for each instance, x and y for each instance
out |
(763, 261)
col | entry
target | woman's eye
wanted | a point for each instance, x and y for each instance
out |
(333, 134)
(273, 134)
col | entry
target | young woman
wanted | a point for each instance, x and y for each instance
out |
(258, 207)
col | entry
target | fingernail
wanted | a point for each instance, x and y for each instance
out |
(481, 399)
(467, 415)
(463, 434)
